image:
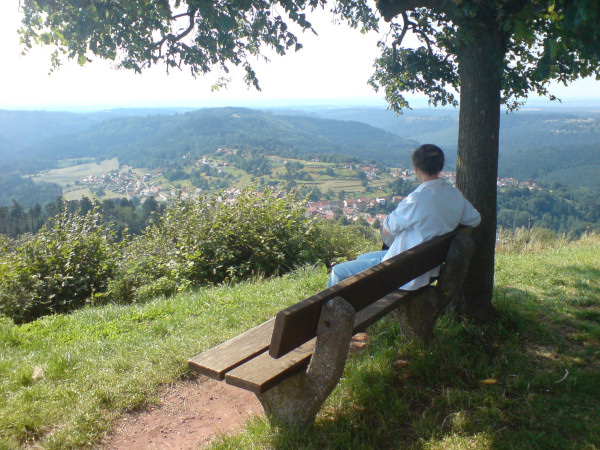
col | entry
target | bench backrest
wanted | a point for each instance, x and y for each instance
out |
(298, 323)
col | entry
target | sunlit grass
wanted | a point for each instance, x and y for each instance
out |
(63, 379)
(531, 379)
(70, 174)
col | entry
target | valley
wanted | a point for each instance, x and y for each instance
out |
(327, 154)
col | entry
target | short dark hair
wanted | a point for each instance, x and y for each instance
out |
(429, 159)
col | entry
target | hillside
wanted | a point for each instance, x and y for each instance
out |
(22, 129)
(153, 140)
(439, 126)
(529, 380)
(25, 192)
(576, 166)
(547, 145)
(519, 130)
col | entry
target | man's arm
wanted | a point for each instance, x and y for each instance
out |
(401, 218)
(386, 236)
(470, 216)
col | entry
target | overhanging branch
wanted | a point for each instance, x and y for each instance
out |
(176, 38)
(392, 8)
(409, 25)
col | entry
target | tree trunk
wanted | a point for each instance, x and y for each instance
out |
(477, 163)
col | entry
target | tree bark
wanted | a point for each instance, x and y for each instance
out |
(477, 164)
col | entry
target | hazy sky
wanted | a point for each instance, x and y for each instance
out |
(331, 68)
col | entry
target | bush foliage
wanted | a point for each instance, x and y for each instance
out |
(74, 261)
(66, 264)
(210, 242)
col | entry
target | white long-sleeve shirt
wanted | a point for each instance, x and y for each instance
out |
(433, 209)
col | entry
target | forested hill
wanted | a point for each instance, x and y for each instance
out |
(519, 130)
(20, 130)
(576, 166)
(153, 141)
(535, 145)
(548, 145)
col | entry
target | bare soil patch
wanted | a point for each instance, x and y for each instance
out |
(191, 414)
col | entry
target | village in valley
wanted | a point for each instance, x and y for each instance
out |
(338, 199)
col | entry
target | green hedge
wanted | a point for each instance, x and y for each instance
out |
(67, 263)
(74, 261)
(211, 242)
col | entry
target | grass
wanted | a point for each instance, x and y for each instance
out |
(63, 379)
(63, 163)
(531, 379)
(77, 194)
(68, 175)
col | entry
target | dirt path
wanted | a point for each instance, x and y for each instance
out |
(191, 414)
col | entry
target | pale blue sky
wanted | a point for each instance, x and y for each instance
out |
(332, 68)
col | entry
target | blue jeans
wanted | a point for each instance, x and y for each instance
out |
(346, 269)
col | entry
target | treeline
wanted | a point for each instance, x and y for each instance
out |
(78, 259)
(25, 191)
(122, 215)
(567, 210)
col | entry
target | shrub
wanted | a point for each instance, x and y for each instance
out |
(66, 264)
(336, 243)
(212, 241)
(73, 260)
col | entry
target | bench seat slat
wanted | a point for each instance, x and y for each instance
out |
(263, 372)
(234, 352)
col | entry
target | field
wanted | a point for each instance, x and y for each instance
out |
(68, 175)
(76, 194)
(344, 181)
(352, 185)
(528, 380)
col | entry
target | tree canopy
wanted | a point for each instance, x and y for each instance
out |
(542, 40)
(199, 35)
(538, 41)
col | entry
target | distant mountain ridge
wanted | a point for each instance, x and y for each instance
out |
(518, 130)
(152, 140)
(547, 144)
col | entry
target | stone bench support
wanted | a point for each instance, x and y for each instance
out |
(297, 399)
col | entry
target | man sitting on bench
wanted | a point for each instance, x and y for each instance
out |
(433, 209)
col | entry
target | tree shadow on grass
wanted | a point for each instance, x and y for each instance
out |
(521, 382)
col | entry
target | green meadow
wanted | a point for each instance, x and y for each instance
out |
(72, 173)
(530, 379)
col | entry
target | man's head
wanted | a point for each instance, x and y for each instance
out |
(429, 159)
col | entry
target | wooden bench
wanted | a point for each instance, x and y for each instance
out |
(293, 361)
